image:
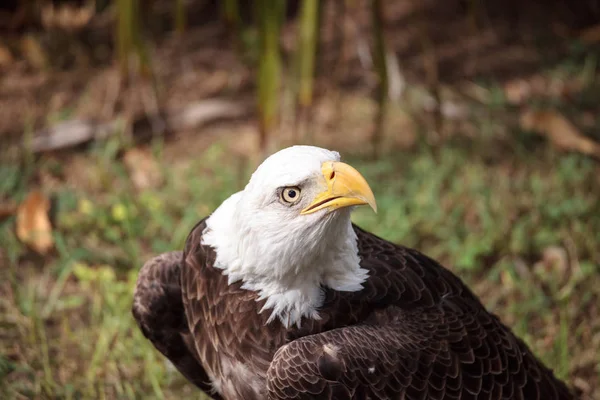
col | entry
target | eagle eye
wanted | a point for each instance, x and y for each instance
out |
(290, 194)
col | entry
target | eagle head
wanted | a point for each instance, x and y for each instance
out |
(288, 234)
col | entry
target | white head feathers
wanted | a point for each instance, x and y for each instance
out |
(286, 256)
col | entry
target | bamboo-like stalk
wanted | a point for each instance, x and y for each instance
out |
(474, 9)
(307, 49)
(430, 66)
(340, 39)
(231, 14)
(180, 16)
(124, 39)
(269, 13)
(129, 38)
(379, 60)
(233, 20)
(303, 68)
(141, 49)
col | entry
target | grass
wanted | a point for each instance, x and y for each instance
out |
(494, 215)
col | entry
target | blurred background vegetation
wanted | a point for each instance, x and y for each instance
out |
(124, 122)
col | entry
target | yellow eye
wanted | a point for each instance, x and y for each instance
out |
(290, 194)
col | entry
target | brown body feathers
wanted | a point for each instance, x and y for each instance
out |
(414, 332)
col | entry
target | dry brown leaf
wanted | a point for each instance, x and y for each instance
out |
(66, 17)
(590, 35)
(34, 52)
(554, 264)
(560, 131)
(7, 210)
(517, 91)
(142, 168)
(6, 57)
(33, 224)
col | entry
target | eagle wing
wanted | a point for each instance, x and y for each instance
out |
(427, 337)
(159, 312)
(228, 334)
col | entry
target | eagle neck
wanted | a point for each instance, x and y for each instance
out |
(288, 266)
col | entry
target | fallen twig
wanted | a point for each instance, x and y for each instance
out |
(78, 131)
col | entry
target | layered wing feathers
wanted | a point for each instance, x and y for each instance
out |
(426, 336)
(414, 332)
(159, 312)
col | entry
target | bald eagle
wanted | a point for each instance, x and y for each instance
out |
(278, 295)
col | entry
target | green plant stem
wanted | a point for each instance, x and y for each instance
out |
(307, 49)
(381, 68)
(269, 14)
(180, 16)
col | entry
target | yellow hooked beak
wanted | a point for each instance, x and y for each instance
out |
(345, 187)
